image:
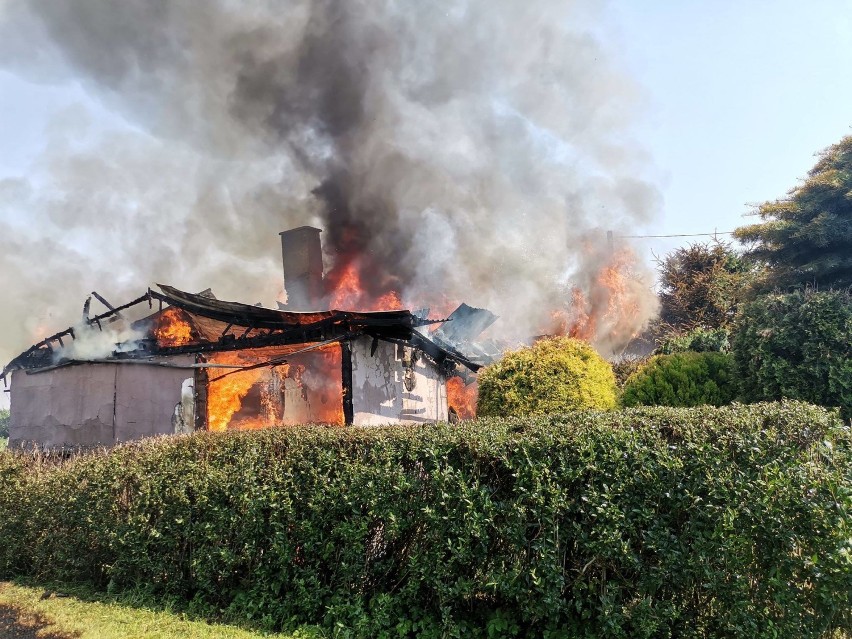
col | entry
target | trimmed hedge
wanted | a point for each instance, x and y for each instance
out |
(554, 375)
(796, 346)
(730, 522)
(682, 379)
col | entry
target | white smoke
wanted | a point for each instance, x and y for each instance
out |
(91, 343)
(464, 151)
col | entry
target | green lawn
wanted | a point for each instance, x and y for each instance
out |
(61, 617)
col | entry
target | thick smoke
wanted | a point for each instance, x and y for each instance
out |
(463, 151)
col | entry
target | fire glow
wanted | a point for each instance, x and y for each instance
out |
(603, 310)
(348, 291)
(254, 398)
(227, 389)
(462, 397)
(606, 312)
(172, 328)
(230, 387)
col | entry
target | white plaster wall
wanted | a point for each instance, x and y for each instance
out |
(87, 405)
(146, 398)
(65, 407)
(379, 395)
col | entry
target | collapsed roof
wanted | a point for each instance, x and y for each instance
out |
(218, 325)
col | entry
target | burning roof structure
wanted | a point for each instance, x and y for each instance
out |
(193, 362)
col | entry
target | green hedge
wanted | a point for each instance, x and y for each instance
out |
(730, 522)
(796, 346)
(682, 379)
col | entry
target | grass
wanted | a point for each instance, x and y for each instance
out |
(62, 617)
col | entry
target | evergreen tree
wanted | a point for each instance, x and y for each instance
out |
(805, 239)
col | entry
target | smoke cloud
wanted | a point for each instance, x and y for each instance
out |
(462, 151)
(91, 343)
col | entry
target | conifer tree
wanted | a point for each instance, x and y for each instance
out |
(805, 239)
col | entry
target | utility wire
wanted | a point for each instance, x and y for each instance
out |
(637, 237)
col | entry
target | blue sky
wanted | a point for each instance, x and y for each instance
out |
(740, 95)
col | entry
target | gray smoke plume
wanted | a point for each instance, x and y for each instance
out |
(452, 151)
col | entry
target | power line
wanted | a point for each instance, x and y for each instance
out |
(639, 237)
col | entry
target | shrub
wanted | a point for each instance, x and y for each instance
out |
(682, 379)
(796, 346)
(702, 285)
(625, 367)
(699, 340)
(651, 522)
(553, 375)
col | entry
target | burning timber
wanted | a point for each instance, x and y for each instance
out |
(193, 362)
(205, 364)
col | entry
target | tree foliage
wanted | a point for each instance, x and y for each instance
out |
(625, 367)
(551, 376)
(701, 286)
(4, 423)
(682, 379)
(805, 239)
(698, 340)
(796, 346)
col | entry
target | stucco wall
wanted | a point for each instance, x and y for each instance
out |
(146, 398)
(70, 406)
(379, 392)
(88, 405)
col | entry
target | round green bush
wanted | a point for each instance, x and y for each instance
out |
(796, 346)
(551, 376)
(682, 379)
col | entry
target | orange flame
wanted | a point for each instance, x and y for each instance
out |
(622, 305)
(462, 398)
(172, 328)
(320, 381)
(388, 302)
(348, 292)
(316, 383)
(608, 310)
(227, 388)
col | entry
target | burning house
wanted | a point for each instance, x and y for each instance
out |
(173, 362)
